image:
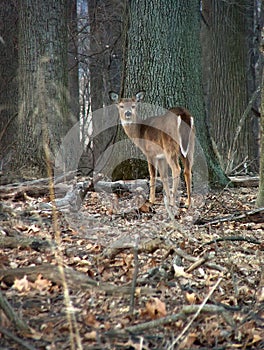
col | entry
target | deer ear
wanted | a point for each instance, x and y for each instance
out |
(140, 96)
(114, 97)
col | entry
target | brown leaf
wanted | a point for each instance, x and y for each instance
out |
(188, 341)
(41, 283)
(22, 285)
(156, 308)
(90, 320)
(90, 335)
(191, 298)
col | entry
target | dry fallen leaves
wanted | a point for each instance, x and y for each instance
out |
(155, 308)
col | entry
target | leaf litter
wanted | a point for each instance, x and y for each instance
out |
(198, 284)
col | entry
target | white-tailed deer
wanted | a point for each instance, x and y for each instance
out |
(163, 139)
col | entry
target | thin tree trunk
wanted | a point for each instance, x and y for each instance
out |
(260, 198)
(105, 57)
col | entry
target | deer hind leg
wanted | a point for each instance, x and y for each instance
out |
(176, 171)
(152, 181)
(188, 179)
(163, 171)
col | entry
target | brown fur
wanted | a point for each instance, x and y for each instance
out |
(163, 139)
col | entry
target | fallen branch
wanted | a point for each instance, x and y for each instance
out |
(235, 217)
(232, 149)
(193, 259)
(182, 315)
(233, 238)
(196, 314)
(23, 185)
(12, 316)
(25, 242)
(134, 280)
(16, 339)
(198, 263)
(146, 246)
(75, 280)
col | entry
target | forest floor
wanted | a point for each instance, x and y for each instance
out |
(106, 277)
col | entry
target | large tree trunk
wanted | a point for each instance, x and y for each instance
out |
(229, 81)
(43, 82)
(164, 58)
(8, 82)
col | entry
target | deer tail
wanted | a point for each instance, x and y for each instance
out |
(185, 130)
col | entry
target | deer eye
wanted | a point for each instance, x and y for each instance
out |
(121, 106)
(133, 106)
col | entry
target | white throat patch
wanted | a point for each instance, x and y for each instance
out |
(126, 122)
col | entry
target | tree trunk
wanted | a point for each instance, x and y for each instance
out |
(8, 82)
(105, 57)
(73, 66)
(260, 198)
(43, 82)
(164, 58)
(227, 36)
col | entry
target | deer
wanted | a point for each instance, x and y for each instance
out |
(163, 139)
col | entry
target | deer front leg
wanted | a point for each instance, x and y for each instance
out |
(152, 181)
(163, 170)
(188, 180)
(176, 171)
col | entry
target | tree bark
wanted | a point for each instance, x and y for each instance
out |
(230, 81)
(8, 82)
(164, 58)
(105, 57)
(73, 66)
(260, 197)
(43, 80)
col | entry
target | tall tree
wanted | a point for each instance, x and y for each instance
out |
(8, 81)
(105, 57)
(260, 198)
(164, 58)
(229, 61)
(73, 66)
(43, 81)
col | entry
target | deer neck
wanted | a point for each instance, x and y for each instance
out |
(132, 128)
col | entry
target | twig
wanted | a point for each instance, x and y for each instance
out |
(232, 238)
(231, 151)
(134, 281)
(11, 315)
(7, 125)
(16, 339)
(233, 217)
(186, 310)
(197, 263)
(196, 314)
(188, 257)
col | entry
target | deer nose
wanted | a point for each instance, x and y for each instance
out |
(128, 114)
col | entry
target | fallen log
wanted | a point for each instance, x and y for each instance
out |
(75, 280)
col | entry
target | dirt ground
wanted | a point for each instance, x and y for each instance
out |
(113, 276)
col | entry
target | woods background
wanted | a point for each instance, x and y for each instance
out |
(98, 267)
(59, 59)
